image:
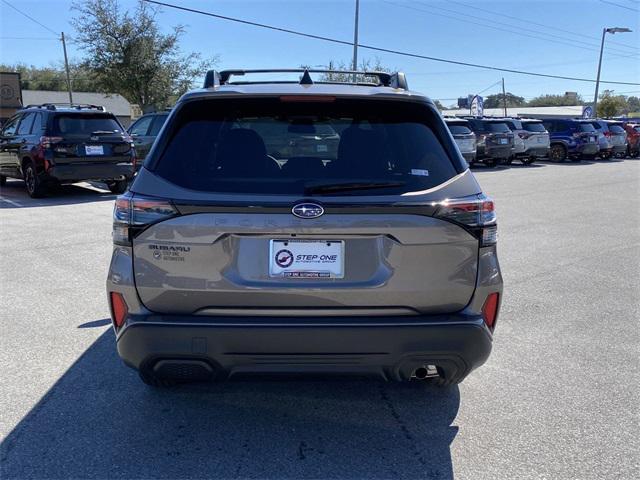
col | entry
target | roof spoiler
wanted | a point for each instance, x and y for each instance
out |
(214, 78)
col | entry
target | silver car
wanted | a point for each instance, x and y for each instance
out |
(375, 258)
(464, 137)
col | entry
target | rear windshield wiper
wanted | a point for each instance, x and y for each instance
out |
(105, 132)
(346, 186)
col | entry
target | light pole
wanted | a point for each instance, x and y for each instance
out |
(354, 62)
(612, 31)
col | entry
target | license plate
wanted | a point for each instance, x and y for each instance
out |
(94, 150)
(540, 139)
(504, 141)
(592, 139)
(319, 259)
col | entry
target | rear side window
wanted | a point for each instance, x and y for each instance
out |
(25, 125)
(141, 126)
(274, 147)
(534, 127)
(85, 124)
(459, 128)
(38, 126)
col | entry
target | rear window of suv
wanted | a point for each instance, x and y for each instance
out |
(534, 127)
(459, 128)
(497, 127)
(85, 124)
(268, 146)
(617, 129)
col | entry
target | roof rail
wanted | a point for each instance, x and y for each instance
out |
(214, 78)
(76, 106)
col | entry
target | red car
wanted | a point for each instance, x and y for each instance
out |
(633, 138)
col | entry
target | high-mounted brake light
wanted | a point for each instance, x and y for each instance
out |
(133, 213)
(476, 213)
(307, 98)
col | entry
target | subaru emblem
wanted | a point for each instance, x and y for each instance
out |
(307, 210)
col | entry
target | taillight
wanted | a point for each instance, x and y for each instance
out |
(119, 309)
(476, 213)
(490, 310)
(607, 134)
(46, 142)
(133, 213)
(524, 135)
(481, 139)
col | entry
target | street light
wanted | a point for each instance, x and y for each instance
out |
(604, 32)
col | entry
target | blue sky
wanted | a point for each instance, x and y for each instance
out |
(559, 37)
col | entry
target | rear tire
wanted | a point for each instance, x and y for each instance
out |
(490, 162)
(3, 181)
(118, 187)
(35, 186)
(527, 160)
(557, 153)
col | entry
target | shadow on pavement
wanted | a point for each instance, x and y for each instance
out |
(14, 195)
(100, 421)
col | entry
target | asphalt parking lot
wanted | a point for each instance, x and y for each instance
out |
(557, 399)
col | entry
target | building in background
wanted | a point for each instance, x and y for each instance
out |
(531, 112)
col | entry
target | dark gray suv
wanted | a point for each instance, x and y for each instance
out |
(377, 257)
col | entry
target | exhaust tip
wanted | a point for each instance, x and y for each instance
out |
(424, 372)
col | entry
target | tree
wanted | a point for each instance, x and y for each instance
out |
(555, 101)
(365, 65)
(610, 105)
(496, 101)
(126, 53)
(633, 104)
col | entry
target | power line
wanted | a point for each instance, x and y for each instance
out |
(477, 21)
(30, 17)
(380, 49)
(30, 38)
(620, 6)
(530, 22)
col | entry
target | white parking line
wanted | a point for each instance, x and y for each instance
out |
(11, 202)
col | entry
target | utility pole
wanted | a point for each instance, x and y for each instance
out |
(66, 67)
(504, 98)
(355, 42)
(612, 31)
(595, 97)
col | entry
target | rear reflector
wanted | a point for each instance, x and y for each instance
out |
(490, 310)
(119, 309)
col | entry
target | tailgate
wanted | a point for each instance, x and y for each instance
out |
(223, 263)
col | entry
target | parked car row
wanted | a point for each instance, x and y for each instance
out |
(497, 140)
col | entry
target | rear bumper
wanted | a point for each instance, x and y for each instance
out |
(619, 149)
(586, 149)
(91, 171)
(389, 347)
(494, 151)
(538, 151)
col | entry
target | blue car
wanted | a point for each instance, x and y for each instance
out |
(571, 138)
